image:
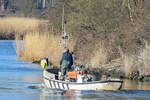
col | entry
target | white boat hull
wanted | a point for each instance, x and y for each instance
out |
(95, 85)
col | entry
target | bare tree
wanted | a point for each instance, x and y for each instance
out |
(52, 3)
(37, 3)
(130, 10)
(43, 4)
(2, 5)
(127, 3)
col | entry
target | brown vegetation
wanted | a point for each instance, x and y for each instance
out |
(17, 25)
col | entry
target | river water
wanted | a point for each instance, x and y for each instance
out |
(22, 80)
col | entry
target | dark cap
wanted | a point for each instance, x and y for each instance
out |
(66, 50)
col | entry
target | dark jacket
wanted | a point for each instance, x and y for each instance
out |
(68, 57)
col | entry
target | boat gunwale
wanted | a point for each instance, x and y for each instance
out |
(93, 82)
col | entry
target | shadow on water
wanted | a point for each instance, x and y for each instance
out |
(96, 95)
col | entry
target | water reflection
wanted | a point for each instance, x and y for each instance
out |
(97, 95)
(136, 85)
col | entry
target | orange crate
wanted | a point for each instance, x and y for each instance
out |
(73, 74)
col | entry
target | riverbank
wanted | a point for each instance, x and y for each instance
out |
(110, 71)
(7, 37)
(103, 73)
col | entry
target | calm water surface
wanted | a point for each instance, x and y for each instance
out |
(21, 80)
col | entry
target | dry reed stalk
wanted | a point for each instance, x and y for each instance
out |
(99, 56)
(145, 56)
(128, 64)
(18, 24)
(18, 47)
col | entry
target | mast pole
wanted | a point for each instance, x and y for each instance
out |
(63, 27)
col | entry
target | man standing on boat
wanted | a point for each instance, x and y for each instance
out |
(66, 61)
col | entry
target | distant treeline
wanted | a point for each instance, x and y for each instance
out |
(25, 7)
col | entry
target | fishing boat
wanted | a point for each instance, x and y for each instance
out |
(51, 80)
(77, 79)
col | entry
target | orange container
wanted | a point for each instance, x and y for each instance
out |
(73, 74)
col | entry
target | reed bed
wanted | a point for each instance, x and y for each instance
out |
(99, 55)
(37, 46)
(140, 62)
(18, 25)
(129, 63)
